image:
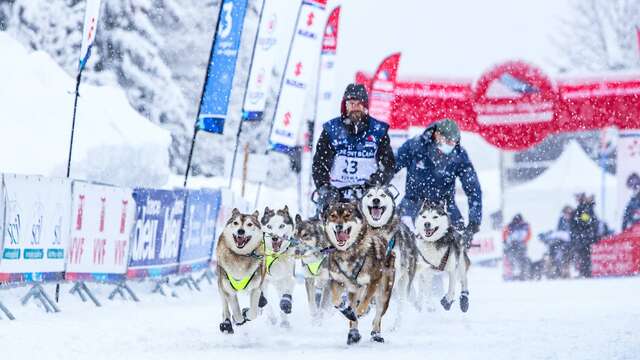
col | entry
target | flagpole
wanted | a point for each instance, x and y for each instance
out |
(246, 88)
(204, 85)
(73, 122)
(275, 110)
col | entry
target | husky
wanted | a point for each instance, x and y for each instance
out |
(240, 268)
(313, 250)
(357, 268)
(278, 235)
(378, 204)
(440, 250)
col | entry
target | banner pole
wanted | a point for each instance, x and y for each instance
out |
(246, 88)
(275, 110)
(204, 86)
(73, 121)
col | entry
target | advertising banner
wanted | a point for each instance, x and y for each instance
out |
(198, 230)
(155, 239)
(36, 232)
(92, 12)
(102, 217)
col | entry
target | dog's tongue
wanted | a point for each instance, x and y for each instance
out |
(376, 212)
(343, 236)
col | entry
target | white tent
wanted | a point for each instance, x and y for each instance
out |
(541, 200)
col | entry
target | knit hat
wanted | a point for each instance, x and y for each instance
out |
(354, 92)
(449, 129)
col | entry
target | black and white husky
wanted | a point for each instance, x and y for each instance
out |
(278, 230)
(440, 250)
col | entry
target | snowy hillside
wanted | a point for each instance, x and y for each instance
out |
(112, 143)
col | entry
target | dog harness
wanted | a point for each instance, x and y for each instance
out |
(271, 258)
(239, 285)
(314, 267)
(356, 270)
(443, 262)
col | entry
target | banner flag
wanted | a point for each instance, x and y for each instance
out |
(383, 87)
(327, 103)
(300, 68)
(214, 102)
(260, 75)
(89, 31)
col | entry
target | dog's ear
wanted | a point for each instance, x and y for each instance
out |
(298, 219)
(235, 212)
(256, 214)
(286, 209)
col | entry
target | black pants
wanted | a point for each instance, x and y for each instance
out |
(582, 259)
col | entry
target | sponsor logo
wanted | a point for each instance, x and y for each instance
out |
(226, 22)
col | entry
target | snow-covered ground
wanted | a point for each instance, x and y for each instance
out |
(572, 319)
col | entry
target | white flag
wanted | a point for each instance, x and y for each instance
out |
(89, 33)
(301, 66)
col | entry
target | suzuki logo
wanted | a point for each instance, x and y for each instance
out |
(298, 69)
(310, 18)
(287, 119)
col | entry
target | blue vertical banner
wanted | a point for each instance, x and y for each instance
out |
(155, 240)
(221, 69)
(198, 230)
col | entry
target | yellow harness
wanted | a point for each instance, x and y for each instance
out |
(314, 267)
(239, 285)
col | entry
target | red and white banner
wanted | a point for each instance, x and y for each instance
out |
(489, 247)
(383, 86)
(101, 221)
(92, 12)
(618, 255)
(327, 106)
(299, 70)
(260, 75)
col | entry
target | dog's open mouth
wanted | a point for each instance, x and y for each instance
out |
(241, 240)
(342, 236)
(276, 243)
(430, 231)
(377, 211)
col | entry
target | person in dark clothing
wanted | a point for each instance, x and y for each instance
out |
(632, 211)
(353, 149)
(434, 160)
(558, 243)
(584, 233)
(515, 236)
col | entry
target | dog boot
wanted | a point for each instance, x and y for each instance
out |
(245, 319)
(376, 337)
(285, 303)
(226, 327)
(464, 301)
(445, 303)
(263, 301)
(347, 311)
(354, 337)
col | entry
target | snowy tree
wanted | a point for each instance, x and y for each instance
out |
(600, 35)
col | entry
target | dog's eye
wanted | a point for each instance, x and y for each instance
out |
(383, 195)
(236, 223)
(281, 226)
(268, 226)
(370, 195)
(435, 217)
(250, 224)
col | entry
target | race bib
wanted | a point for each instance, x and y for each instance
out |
(348, 171)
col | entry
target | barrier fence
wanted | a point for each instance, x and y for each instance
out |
(56, 230)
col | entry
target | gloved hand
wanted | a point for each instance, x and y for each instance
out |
(374, 180)
(467, 234)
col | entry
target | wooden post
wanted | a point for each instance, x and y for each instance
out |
(244, 168)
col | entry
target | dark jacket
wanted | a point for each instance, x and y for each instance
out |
(632, 213)
(326, 152)
(431, 175)
(584, 225)
(564, 224)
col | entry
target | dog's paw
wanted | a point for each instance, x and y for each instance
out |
(446, 304)
(353, 337)
(376, 337)
(245, 318)
(263, 301)
(464, 301)
(285, 303)
(348, 313)
(226, 327)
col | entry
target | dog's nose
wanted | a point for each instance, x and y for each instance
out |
(427, 225)
(376, 201)
(339, 227)
(241, 232)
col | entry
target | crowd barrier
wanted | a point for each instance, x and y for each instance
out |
(617, 255)
(56, 230)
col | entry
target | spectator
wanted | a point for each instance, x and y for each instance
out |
(632, 211)
(584, 233)
(515, 237)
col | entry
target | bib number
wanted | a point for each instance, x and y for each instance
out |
(350, 167)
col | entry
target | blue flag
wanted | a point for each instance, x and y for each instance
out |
(222, 64)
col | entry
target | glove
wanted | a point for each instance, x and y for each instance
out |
(473, 228)
(467, 234)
